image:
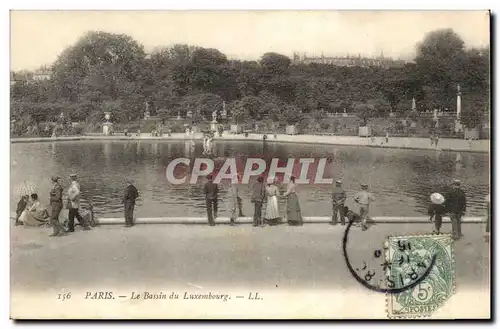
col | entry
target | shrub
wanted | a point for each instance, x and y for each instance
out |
(326, 126)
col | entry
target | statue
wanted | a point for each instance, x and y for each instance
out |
(178, 115)
(224, 112)
(214, 116)
(146, 112)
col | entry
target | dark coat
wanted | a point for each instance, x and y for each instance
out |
(211, 190)
(455, 201)
(56, 193)
(437, 210)
(258, 192)
(338, 195)
(21, 205)
(131, 193)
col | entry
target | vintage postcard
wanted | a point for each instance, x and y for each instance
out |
(250, 165)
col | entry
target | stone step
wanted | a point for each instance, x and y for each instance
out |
(248, 220)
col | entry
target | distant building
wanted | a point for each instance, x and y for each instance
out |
(349, 61)
(16, 77)
(42, 75)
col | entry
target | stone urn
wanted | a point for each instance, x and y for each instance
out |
(364, 131)
(292, 130)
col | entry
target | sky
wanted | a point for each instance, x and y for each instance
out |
(38, 37)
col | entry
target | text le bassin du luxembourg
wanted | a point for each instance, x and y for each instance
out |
(160, 295)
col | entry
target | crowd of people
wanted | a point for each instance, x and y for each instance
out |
(264, 196)
(30, 212)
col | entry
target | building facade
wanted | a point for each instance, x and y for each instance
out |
(349, 61)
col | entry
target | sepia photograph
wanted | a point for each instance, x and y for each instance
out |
(250, 164)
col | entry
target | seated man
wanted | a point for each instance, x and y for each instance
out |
(352, 216)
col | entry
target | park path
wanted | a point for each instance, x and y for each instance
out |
(299, 266)
(445, 144)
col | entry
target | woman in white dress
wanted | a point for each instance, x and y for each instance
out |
(272, 214)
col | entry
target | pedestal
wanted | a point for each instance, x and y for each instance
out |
(236, 129)
(471, 133)
(292, 130)
(364, 131)
(458, 126)
(213, 126)
(107, 128)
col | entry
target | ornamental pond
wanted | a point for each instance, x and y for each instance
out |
(400, 179)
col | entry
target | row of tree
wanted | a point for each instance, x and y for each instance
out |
(104, 71)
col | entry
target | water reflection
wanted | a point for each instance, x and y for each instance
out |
(402, 180)
(458, 163)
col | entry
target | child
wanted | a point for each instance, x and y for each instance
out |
(437, 210)
(88, 215)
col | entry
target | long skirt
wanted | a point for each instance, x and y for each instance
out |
(29, 220)
(293, 214)
(272, 211)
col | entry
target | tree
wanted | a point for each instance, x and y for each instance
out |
(206, 72)
(471, 119)
(292, 115)
(203, 57)
(238, 112)
(202, 105)
(274, 63)
(365, 112)
(169, 57)
(440, 57)
(253, 106)
(101, 65)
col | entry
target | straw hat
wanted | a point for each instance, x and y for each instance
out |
(437, 198)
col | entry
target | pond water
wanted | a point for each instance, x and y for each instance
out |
(401, 180)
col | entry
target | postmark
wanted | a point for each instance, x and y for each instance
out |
(383, 279)
(409, 253)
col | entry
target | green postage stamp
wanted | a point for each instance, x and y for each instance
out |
(410, 255)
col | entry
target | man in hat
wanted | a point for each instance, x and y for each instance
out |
(338, 200)
(74, 205)
(364, 198)
(131, 194)
(437, 209)
(258, 195)
(236, 205)
(211, 191)
(56, 205)
(456, 204)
